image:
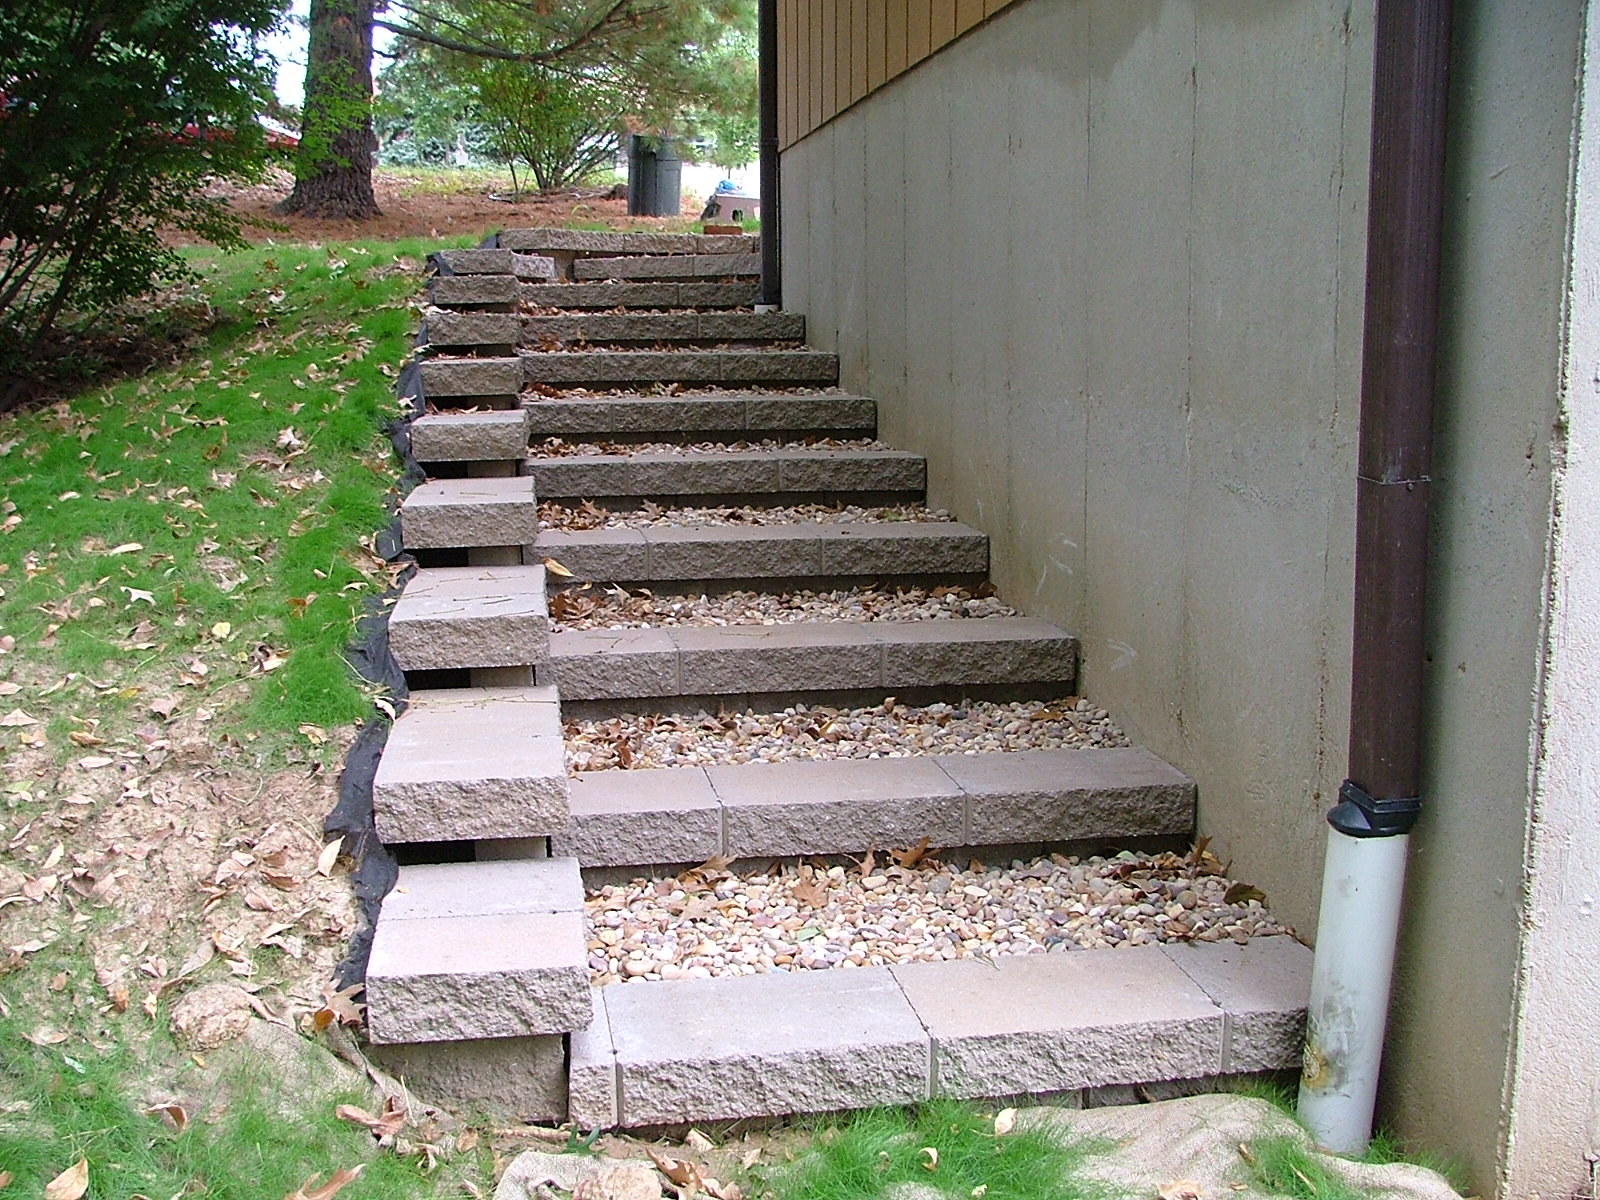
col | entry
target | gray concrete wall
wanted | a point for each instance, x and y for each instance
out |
(1102, 261)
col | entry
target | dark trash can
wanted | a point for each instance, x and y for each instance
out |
(655, 177)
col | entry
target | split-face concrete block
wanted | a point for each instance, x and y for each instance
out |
(805, 656)
(811, 367)
(832, 807)
(474, 262)
(850, 471)
(473, 763)
(597, 554)
(583, 367)
(654, 474)
(612, 664)
(853, 414)
(515, 1079)
(451, 617)
(473, 291)
(717, 295)
(604, 295)
(470, 437)
(699, 1050)
(533, 266)
(456, 960)
(452, 513)
(446, 328)
(1049, 1022)
(993, 650)
(789, 551)
(471, 377)
(544, 241)
(678, 266)
(752, 327)
(594, 1091)
(602, 418)
(727, 243)
(1262, 987)
(1066, 795)
(715, 266)
(641, 818)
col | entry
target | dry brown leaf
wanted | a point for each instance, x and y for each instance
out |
(1005, 1121)
(325, 1191)
(70, 1184)
(1243, 893)
(723, 1191)
(1180, 1189)
(556, 568)
(383, 1126)
(698, 1142)
(466, 1140)
(910, 858)
(329, 855)
(810, 893)
(930, 1158)
(16, 719)
(172, 1111)
(682, 1173)
(5, 1179)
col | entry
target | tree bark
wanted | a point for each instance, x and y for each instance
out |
(333, 172)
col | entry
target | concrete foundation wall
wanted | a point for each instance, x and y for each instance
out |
(1102, 261)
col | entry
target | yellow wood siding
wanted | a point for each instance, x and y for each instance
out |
(834, 53)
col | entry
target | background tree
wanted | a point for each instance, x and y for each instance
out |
(113, 116)
(665, 50)
(560, 128)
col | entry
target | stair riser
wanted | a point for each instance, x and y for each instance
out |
(599, 369)
(678, 267)
(900, 479)
(470, 437)
(713, 295)
(587, 242)
(648, 328)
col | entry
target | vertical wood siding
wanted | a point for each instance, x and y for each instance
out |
(834, 53)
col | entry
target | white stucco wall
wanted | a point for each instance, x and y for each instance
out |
(1102, 262)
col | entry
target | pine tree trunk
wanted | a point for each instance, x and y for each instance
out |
(333, 173)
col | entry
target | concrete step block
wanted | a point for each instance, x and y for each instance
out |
(1262, 987)
(471, 377)
(451, 617)
(517, 1079)
(807, 657)
(474, 292)
(630, 367)
(594, 1093)
(535, 267)
(480, 950)
(668, 266)
(1070, 795)
(880, 550)
(473, 763)
(751, 472)
(784, 808)
(609, 328)
(447, 328)
(1054, 1022)
(811, 1041)
(724, 413)
(444, 514)
(471, 437)
(668, 295)
(641, 818)
(582, 241)
(473, 262)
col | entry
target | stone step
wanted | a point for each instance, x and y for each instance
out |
(686, 327)
(471, 436)
(464, 378)
(702, 295)
(450, 514)
(480, 950)
(464, 617)
(698, 553)
(738, 414)
(630, 368)
(473, 763)
(801, 471)
(677, 815)
(498, 293)
(808, 657)
(456, 330)
(586, 241)
(672, 1052)
(477, 261)
(667, 266)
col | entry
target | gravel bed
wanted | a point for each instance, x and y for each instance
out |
(708, 922)
(547, 391)
(618, 608)
(589, 515)
(555, 447)
(888, 730)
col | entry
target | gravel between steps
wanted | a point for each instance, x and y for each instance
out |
(889, 730)
(708, 922)
(554, 447)
(618, 608)
(649, 515)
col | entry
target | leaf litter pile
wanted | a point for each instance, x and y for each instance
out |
(910, 906)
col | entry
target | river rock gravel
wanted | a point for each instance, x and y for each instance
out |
(887, 730)
(710, 922)
(554, 447)
(649, 515)
(589, 607)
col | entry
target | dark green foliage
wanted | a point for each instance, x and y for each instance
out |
(115, 115)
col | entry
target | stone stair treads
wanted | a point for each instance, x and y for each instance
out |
(445, 514)
(745, 415)
(670, 1052)
(667, 266)
(752, 810)
(474, 292)
(788, 469)
(586, 241)
(480, 950)
(688, 327)
(807, 656)
(473, 261)
(458, 377)
(496, 436)
(702, 294)
(471, 617)
(473, 763)
(664, 554)
(447, 328)
(594, 368)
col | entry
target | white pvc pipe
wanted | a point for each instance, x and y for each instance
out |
(1362, 882)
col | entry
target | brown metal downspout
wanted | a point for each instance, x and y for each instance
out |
(771, 293)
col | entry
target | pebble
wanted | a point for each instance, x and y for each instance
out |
(650, 515)
(714, 923)
(619, 608)
(555, 447)
(889, 730)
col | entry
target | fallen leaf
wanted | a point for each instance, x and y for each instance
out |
(385, 1125)
(82, 737)
(315, 735)
(722, 1191)
(1243, 893)
(16, 718)
(810, 893)
(126, 548)
(910, 858)
(70, 1184)
(137, 594)
(1005, 1121)
(556, 568)
(5, 1179)
(172, 1111)
(329, 855)
(1180, 1189)
(466, 1140)
(47, 1037)
(979, 1192)
(221, 630)
(930, 1158)
(682, 1173)
(325, 1191)
(698, 1142)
